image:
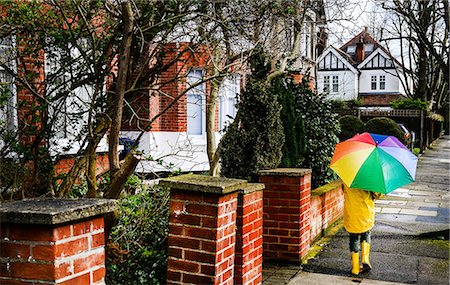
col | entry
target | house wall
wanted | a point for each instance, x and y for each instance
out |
(348, 84)
(392, 81)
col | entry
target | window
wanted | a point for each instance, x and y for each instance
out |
(69, 108)
(382, 82)
(351, 49)
(335, 83)
(326, 83)
(368, 48)
(373, 81)
(8, 111)
(229, 91)
(195, 102)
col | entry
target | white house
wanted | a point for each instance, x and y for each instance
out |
(361, 69)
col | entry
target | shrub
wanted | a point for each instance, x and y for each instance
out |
(255, 142)
(137, 246)
(415, 104)
(294, 131)
(350, 126)
(321, 126)
(384, 126)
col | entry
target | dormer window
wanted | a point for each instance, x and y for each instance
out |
(351, 49)
(368, 48)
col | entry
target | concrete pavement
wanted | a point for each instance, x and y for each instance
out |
(410, 242)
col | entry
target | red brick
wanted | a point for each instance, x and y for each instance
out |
(62, 232)
(173, 275)
(62, 270)
(81, 228)
(43, 252)
(99, 274)
(185, 219)
(208, 246)
(98, 240)
(15, 250)
(28, 270)
(183, 242)
(200, 233)
(183, 265)
(209, 222)
(71, 247)
(85, 263)
(199, 256)
(83, 279)
(97, 224)
(198, 279)
(202, 210)
(31, 233)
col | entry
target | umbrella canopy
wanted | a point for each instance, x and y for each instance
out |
(374, 162)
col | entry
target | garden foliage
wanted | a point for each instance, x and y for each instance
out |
(350, 126)
(320, 126)
(255, 142)
(385, 126)
(415, 104)
(137, 246)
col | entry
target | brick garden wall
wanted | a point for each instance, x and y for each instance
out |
(72, 253)
(327, 205)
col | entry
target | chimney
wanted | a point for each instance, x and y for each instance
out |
(322, 40)
(360, 47)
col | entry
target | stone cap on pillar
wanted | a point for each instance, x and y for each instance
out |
(253, 187)
(295, 172)
(49, 211)
(203, 183)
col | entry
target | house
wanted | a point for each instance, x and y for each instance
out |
(362, 69)
(178, 137)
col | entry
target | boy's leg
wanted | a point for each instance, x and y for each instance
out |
(354, 248)
(365, 251)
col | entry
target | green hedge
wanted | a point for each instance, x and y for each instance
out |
(385, 126)
(350, 126)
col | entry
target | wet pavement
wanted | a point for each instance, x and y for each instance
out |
(409, 242)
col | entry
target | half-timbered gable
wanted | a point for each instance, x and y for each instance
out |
(378, 60)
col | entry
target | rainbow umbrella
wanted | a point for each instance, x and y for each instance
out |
(374, 162)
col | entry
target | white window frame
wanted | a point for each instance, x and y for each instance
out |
(373, 82)
(230, 89)
(335, 84)
(326, 83)
(199, 92)
(382, 82)
(11, 123)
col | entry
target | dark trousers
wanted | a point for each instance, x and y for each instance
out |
(357, 239)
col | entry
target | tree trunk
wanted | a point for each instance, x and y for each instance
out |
(121, 85)
(210, 124)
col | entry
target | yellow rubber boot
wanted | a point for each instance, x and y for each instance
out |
(365, 251)
(355, 263)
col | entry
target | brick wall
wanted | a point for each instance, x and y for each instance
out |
(327, 206)
(249, 250)
(64, 164)
(202, 235)
(286, 214)
(379, 99)
(53, 241)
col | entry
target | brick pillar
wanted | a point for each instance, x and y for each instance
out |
(202, 229)
(53, 241)
(286, 214)
(248, 264)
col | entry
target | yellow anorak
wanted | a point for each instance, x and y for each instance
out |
(359, 212)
